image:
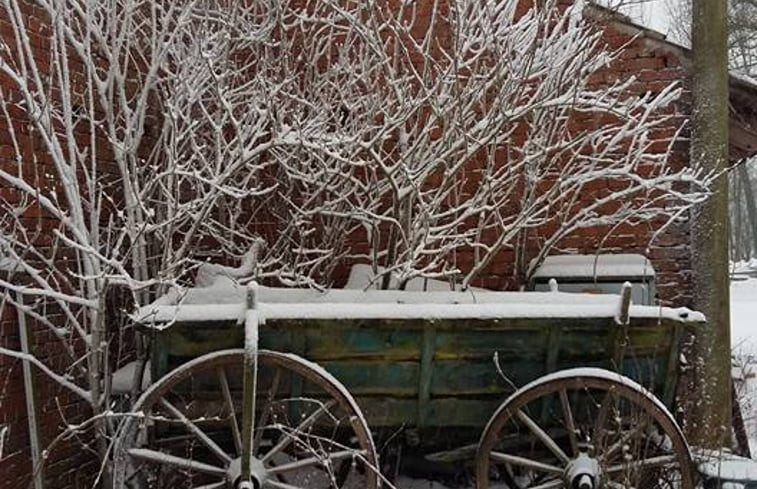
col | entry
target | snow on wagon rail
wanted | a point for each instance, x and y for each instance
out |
(225, 301)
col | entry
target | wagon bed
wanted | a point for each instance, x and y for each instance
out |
(437, 363)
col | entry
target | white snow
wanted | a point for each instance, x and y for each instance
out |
(208, 273)
(744, 344)
(622, 265)
(362, 278)
(10, 265)
(744, 316)
(651, 14)
(225, 291)
(745, 379)
(124, 376)
(744, 267)
(725, 466)
(251, 328)
(226, 301)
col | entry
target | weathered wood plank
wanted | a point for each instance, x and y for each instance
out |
(425, 375)
(375, 377)
(384, 357)
(444, 412)
(465, 378)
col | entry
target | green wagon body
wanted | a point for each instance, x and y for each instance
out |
(430, 374)
(524, 384)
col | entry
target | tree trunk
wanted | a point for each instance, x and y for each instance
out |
(751, 206)
(709, 409)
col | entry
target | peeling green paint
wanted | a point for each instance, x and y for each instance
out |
(442, 373)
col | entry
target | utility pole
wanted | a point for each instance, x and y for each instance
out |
(709, 412)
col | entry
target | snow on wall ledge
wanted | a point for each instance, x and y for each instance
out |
(610, 265)
(225, 301)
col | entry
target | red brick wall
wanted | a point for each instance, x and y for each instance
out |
(71, 464)
(655, 64)
(15, 460)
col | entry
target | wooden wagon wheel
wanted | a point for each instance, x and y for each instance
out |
(309, 432)
(583, 428)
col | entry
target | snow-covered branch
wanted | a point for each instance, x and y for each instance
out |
(424, 138)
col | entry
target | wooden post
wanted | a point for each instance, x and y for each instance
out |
(29, 394)
(709, 409)
(624, 311)
(249, 379)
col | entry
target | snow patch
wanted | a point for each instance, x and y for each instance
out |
(622, 265)
(744, 316)
(124, 376)
(725, 466)
(10, 265)
(362, 277)
(225, 301)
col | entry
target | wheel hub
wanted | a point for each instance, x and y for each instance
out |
(583, 472)
(258, 474)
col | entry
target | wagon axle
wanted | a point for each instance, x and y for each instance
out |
(258, 474)
(582, 473)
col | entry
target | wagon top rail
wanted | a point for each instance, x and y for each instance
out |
(226, 301)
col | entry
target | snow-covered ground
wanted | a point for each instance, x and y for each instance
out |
(744, 342)
(744, 316)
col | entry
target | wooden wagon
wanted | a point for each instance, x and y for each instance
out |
(273, 388)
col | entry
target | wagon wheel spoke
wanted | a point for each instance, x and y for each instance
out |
(204, 438)
(226, 392)
(627, 436)
(309, 427)
(617, 485)
(280, 485)
(552, 484)
(316, 460)
(265, 412)
(598, 434)
(288, 438)
(525, 462)
(163, 458)
(659, 461)
(611, 426)
(570, 423)
(215, 485)
(544, 437)
(142, 430)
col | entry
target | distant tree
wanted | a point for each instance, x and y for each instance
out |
(742, 31)
(742, 60)
(743, 212)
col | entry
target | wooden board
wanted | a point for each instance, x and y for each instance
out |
(440, 373)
